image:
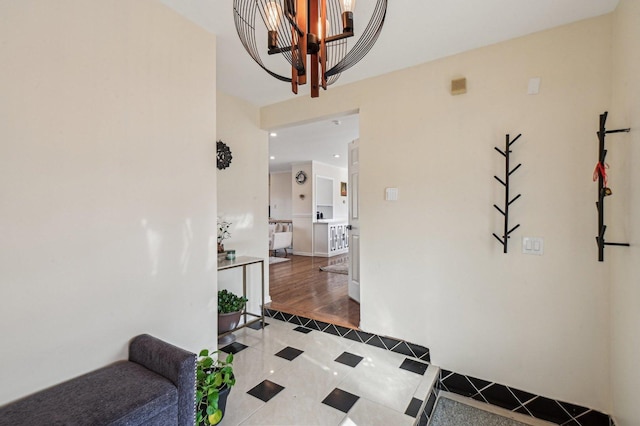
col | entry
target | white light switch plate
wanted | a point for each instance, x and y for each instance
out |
(534, 86)
(391, 194)
(533, 245)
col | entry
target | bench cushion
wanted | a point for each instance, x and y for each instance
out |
(123, 393)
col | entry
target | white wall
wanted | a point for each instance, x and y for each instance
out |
(436, 276)
(107, 176)
(243, 194)
(623, 210)
(340, 206)
(280, 195)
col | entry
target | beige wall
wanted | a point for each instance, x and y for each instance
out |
(280, 195)
(431, 271)
(624, 226)
(107, 176)
(243, 193)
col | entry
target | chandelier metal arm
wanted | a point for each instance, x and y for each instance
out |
(366, 41)
(331, 39)
(276, 50)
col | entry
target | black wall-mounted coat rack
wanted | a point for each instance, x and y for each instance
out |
(603, 191)
(507, 201)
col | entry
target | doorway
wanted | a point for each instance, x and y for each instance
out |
(300, 287)
(314, 280)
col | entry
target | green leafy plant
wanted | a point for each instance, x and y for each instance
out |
(212, 377)
(229, 302)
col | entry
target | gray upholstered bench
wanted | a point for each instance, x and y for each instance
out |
(156, 386)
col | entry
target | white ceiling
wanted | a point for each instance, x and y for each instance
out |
(415, 31)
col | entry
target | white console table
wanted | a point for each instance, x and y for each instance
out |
(243, 262)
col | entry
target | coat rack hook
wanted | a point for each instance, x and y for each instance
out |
(603, 190)
(507, 199)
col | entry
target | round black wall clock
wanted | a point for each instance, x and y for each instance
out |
(224, 155)
(301, 177)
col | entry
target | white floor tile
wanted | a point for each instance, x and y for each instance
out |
(240, 406)
(310, 379)
(377, 356)
(393, 389)
(369, 413)
(325, 348)
(275, 339)
(247, 339)
(251, 366)
(288, 409)
(379, 378)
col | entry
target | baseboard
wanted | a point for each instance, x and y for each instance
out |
(519, 401)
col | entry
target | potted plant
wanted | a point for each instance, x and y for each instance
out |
(223, 233)
(230, 308)
(214, 379)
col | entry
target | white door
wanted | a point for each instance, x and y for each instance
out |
(354, 221)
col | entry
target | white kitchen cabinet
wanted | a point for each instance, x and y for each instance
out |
(330, 238)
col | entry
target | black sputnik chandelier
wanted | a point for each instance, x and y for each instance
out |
(322, 30)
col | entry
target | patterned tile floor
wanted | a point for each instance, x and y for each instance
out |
(288, 375)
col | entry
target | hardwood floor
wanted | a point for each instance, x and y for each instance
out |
(299, 287)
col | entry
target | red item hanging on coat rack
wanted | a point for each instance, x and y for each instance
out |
(601, 170)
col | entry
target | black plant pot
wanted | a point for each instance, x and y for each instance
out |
(222, 400)
(222, 404)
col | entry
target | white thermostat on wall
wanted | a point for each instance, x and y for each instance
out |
(391, 194)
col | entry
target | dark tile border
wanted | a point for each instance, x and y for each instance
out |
(540, 407)
(429, 405)
(413, 408)
(383, 342)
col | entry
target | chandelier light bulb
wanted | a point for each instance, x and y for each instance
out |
(348, 5)
(323, 31)
(347, 15)
(272, 14)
